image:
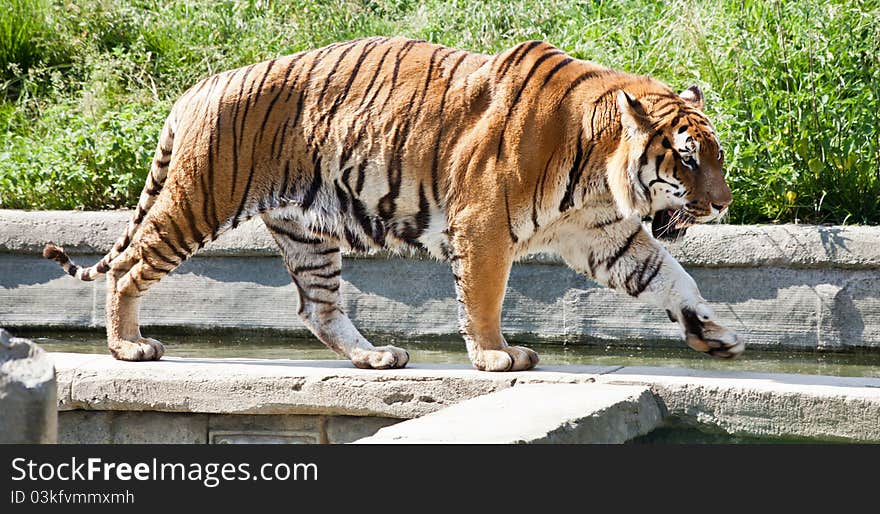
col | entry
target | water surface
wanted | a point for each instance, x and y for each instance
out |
(452, 351)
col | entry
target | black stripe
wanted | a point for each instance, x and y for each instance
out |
(346, 176)
(135, 282)
(235, 130)
(518, 95)
(507, 209)
(190, 218)
(270, 109)
(374, 228)
(162, 257)
(139, 215)
(587, 75)
(297, 238)
(103, 266)
(603, 224)
(330, 113)
(656, 263)
(369, 87)
(359, 186)
(176, 251)
(210, 196)
(404, 50)
(342, 197)
(422, 218)
(180, 236)
(318, 300)
(435, 162)
(300, 101)
(252, 99)
(285, 183)
(328, 251)
(330, 75)
(165, 271)
(574, 175)
(561, 64)
(247, 187)
(316, 183)
(311, 267)
(515, 58)
(538, 195)
(609, 263)
(350, 141)
(327, 287)
(331, 274)
(354, 241)
(387, 205)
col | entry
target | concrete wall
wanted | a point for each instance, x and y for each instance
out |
(788, 286)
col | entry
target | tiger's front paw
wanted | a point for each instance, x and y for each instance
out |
(380, 357)
(142, 349)
(509, 358)
(704, 335)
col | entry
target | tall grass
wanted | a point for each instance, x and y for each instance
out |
(792, 86)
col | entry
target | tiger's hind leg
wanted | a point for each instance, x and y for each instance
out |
(314, 265)
(160, 246)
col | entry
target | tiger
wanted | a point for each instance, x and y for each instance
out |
(389, 143)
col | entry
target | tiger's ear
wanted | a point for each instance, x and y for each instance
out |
(694, 96)
(633, 116)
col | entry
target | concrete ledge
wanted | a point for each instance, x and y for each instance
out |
(788, 286)
(539, 413)
(775, 405)
(257, 386)
(763, 404)
(751, 246)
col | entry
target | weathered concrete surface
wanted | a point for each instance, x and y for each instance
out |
(152, 427)
(786, 286)
(131, 427)
(790, 246)
(255, 386)
(281, 392)
(27, 392)
(762, 404)
(539, 413)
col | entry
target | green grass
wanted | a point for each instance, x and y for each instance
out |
(791, 86)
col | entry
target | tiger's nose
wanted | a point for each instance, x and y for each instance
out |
(720, 206)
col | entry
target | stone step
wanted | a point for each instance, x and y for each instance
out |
(538, 413)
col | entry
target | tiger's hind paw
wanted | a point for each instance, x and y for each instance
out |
(143, 349)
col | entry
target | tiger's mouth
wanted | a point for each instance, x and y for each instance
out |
(671, 224)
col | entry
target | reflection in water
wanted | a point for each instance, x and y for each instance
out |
(451, 351)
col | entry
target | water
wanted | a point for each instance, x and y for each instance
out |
(452, 351)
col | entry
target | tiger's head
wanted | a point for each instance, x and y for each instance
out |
(669, 164)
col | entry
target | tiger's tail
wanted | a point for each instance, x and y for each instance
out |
(152, 188)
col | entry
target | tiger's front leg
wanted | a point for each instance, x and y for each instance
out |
(480, 267)
(625, 257)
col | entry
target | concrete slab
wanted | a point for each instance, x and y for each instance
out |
(748, 404)
(257, 386)
(763, 404)
(540, 413)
